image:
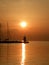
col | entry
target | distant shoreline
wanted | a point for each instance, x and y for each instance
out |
(13, 42)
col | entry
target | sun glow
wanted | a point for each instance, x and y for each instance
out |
(23, 24)
(23, 53)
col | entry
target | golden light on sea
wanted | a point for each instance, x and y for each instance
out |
(23, 54)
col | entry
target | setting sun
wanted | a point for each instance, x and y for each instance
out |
(23, 24)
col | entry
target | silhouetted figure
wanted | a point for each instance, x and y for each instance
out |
(24, 39)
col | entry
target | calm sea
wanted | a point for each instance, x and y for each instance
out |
(33, 53)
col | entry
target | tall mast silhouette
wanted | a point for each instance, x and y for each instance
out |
(0, 31)
(7, 32)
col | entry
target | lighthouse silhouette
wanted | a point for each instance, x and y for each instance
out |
(24, 38)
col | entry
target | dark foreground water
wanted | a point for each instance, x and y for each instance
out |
(33, 53)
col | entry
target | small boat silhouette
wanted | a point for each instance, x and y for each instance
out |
(16, 41)
(7, 40)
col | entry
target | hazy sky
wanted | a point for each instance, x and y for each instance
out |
(34, 12)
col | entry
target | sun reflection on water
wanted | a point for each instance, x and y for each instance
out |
(23, 54)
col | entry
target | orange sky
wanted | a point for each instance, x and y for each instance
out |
(34, 12)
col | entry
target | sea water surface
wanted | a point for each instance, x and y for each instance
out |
(33, 53)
